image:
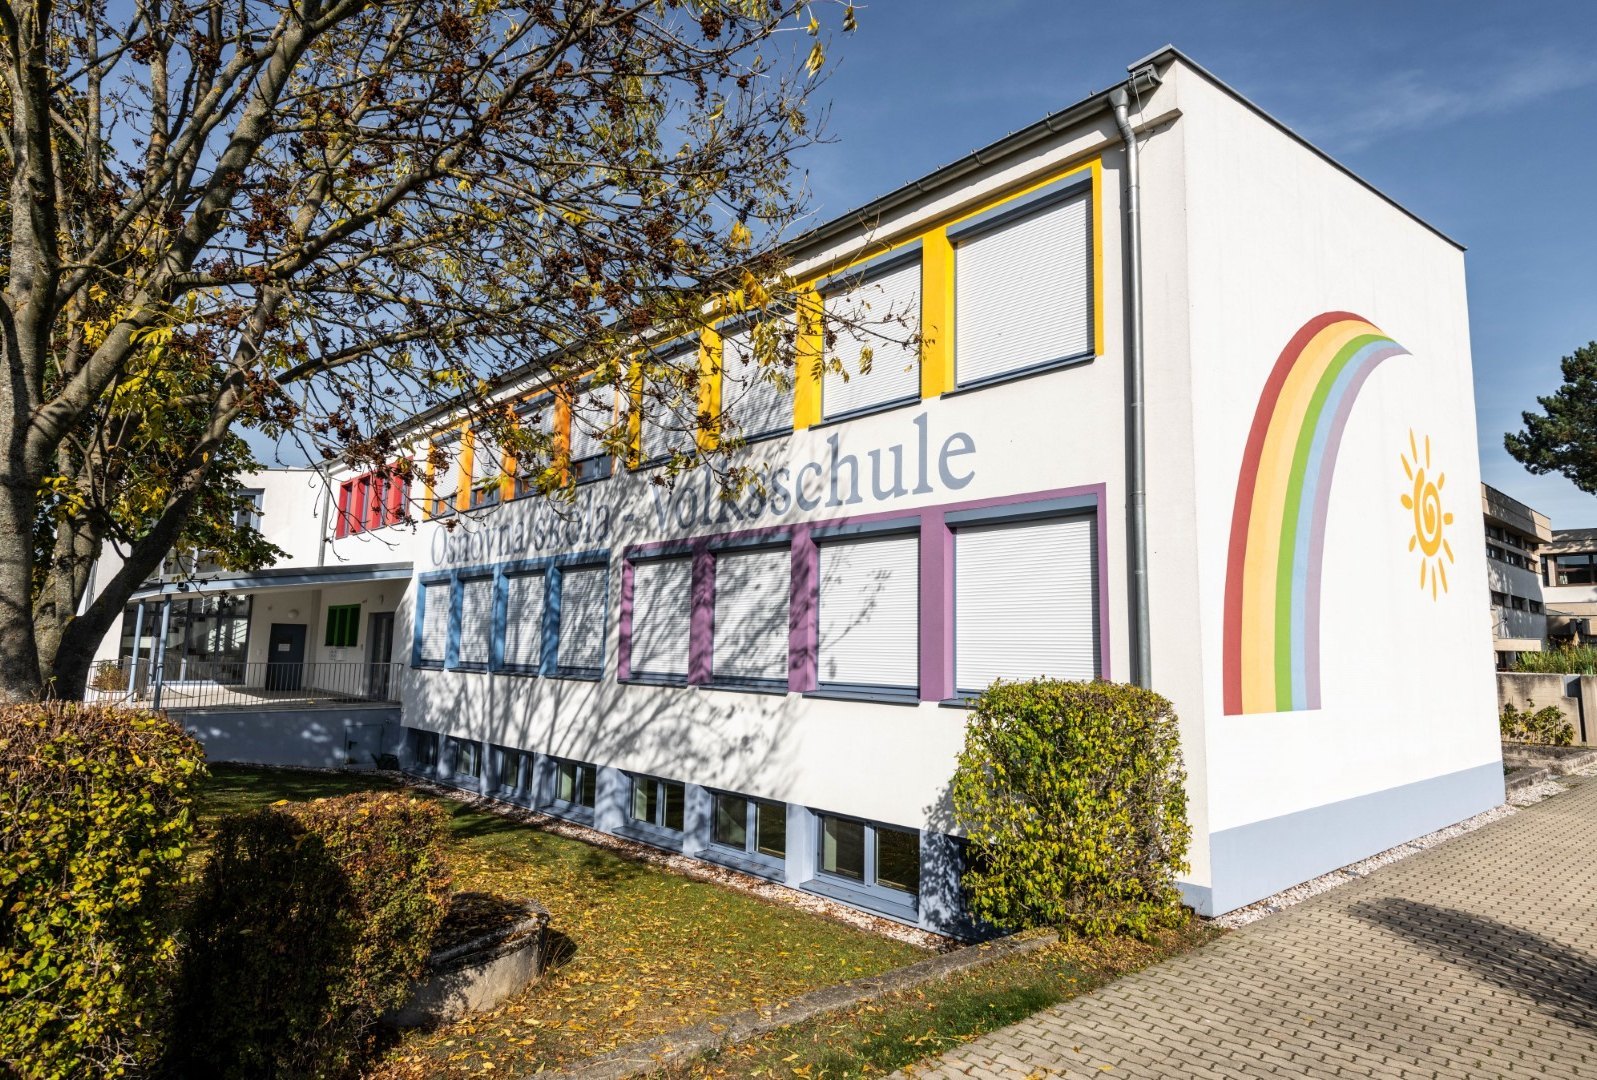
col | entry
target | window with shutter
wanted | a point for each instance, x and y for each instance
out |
(434, 622)
(882, 313)
(487, 468)
(869, 613)
(536, 415)
(524, 621)
(751, 616)
(756, 401)
(582, 611)
(662, 602)
(1025, 602)
(1023, 291)
(670, 404)
(593, 414)
(476, 621)
(446, 479)
(343, 626)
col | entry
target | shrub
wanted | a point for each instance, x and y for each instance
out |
(1072, 798)
(1544, 727)
(94, 829)
(311, 921)
(109, 677)
(1566, 660)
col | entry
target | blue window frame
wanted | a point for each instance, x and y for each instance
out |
(867, 863)
(574, 785)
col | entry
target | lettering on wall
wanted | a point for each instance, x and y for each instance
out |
(842, 480)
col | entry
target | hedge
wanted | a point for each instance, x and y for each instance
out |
(95, 825)
(311, 921)
(1071, 796)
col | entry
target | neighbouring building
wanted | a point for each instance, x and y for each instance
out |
(1515, 535)
(1569, 583)
(780, 684)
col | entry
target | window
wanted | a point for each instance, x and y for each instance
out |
(446, 478)
(662, 605)
(582, 609)
(751, 617)
(510, 770)
(875, 856)
(537, 415)
(1499, 599)
(524, 621)
(1576, 570)
(1025, 602)
(574, 784)
(468, 758)
(370, 501)
(487, 468)
(1023, 289)
(881, 312)
(423, 749)
(1536, 607)
(670, 408)
(756, 399)
(869, 617)
(754, 826)
(248, 515)
(476, 622)
(343, 626)
(593, 415)
(657, 802)
(1519, 602)
(434, 602)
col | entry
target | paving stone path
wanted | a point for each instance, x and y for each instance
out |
(1477, 958)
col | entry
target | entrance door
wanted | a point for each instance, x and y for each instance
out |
(379, 654)
(285, 656)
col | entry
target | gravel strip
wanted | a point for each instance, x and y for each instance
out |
(1525, 796)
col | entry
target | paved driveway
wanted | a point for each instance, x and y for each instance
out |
(1476, 958)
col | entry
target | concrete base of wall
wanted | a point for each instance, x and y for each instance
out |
(1573, 695)
(1253, 861)
(351, 736)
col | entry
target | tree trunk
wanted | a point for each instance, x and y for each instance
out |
(19, 656)
(68, 674)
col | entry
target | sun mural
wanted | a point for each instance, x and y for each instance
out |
(1425, 503)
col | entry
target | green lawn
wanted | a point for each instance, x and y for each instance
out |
(903, 1028)
(646, 951)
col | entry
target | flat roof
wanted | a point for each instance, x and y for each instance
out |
(285, 577)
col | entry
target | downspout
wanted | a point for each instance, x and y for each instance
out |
(1136, 419)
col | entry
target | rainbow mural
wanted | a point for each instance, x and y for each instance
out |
(1272, 588)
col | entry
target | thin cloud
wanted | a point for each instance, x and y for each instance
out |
(1414, 99)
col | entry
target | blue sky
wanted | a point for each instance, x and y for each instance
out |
(1480, 117)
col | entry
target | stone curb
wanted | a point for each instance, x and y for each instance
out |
(646, 1057)
(1524, 778)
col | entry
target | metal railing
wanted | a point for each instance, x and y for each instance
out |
(231, 684)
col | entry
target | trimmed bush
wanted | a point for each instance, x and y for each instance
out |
(1072, 798)
(1544, 727)
(311, 921)
(94, 830)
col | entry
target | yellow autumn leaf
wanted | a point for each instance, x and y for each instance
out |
(816, 60)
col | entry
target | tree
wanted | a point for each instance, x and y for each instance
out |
(1563, 436)
(317, 218)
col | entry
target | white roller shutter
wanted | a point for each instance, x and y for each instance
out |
(1023, 292)
(751, 614)
(592, 414)
(670, 411)
(1025, 602)
(754, 402)
(886, 306)
(870, 612)
(476, 620)
(662, 606)
(582, 603)
(524, 620)
(434, 622)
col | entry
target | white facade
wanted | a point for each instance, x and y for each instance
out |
(962, 515)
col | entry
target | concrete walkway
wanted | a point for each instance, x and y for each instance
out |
(1477, 958)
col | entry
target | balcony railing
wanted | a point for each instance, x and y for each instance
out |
(235, 685)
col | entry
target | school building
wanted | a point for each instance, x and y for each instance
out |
(1192, 407)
